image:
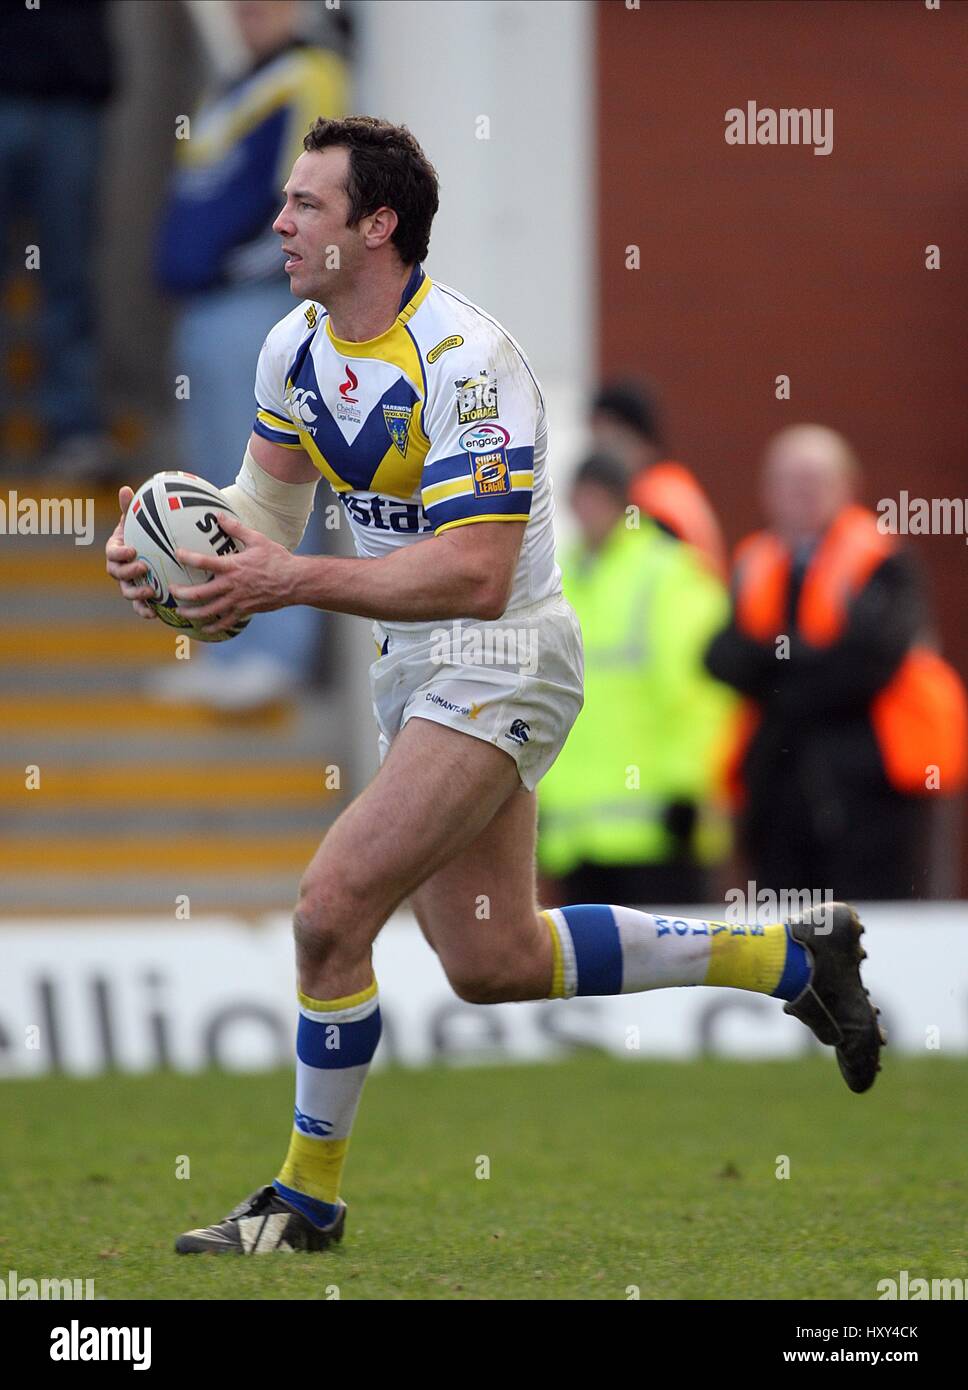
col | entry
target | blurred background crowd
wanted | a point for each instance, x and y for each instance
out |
(767, 694)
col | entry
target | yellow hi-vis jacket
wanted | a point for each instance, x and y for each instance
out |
(655, 725)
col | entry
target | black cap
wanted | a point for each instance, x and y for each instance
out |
(634, 404)
(605, 471)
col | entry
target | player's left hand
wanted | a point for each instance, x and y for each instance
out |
(255, 580)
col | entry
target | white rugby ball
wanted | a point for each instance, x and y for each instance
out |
(179, 511)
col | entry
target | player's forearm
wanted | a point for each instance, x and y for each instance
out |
(418, 583)
(272, 494)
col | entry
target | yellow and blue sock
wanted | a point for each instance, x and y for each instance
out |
(335, 1044)
(618, 950)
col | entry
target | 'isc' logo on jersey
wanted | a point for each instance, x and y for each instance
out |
(476, 398)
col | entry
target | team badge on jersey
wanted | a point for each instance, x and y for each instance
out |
(476, 398)
(398, 418)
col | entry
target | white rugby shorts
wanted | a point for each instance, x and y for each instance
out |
(515, 682)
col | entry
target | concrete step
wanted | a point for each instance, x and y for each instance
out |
(149, 892)
(214, 783)
(77, 604)
(122, 716)
(37, 569)
(42, 823)
(103, 645)
(81, 857)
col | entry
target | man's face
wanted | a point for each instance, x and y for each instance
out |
(265, 25)
(616, 437)
(806, 482)
(597, 511)
(320, 247)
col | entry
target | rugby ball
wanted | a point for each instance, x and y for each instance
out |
(178, 511)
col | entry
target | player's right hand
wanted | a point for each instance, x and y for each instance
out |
(123, 563)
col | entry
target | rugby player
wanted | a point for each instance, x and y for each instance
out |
(425, 417)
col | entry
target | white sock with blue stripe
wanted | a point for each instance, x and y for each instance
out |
(618, 950)
(334, 1047)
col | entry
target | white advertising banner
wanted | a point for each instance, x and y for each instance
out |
(138, 994)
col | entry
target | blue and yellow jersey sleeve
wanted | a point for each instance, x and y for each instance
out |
(273, 420)
(482, 425)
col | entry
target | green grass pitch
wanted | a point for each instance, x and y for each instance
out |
(604, 1174)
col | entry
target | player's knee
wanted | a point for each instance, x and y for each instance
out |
(484, 982)
(330, 915)
(315, 940)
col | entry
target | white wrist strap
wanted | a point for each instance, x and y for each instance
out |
(279, 510)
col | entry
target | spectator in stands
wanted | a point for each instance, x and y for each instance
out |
(57, 74)
(625, 422)
(217, 252)
(848, 711)
(629, 813)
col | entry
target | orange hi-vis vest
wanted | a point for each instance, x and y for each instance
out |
(670, 493)
(920, 718)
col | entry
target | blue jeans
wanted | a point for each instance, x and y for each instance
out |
(49, 154)
(216, 344)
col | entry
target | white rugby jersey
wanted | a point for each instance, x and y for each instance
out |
(438, 422)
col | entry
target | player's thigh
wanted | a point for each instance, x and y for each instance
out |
(478, 910)
(435, 792)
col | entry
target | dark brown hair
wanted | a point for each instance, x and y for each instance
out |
(387, 169)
